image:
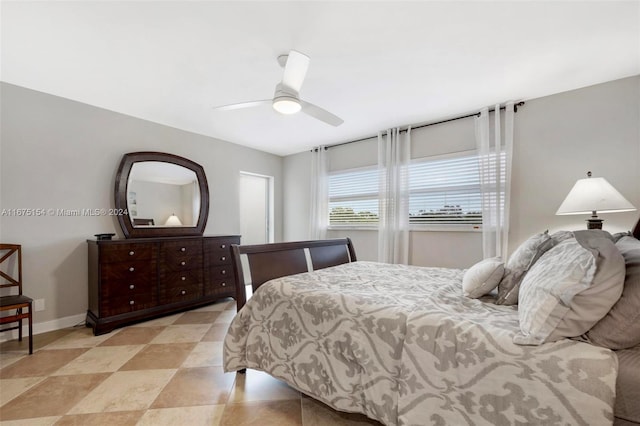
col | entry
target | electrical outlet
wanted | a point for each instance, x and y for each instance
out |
(39, 305)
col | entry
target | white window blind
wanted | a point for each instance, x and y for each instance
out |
(353, 197)
(442, 191)
(445, 191)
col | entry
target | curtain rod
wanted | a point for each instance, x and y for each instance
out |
(477, 114)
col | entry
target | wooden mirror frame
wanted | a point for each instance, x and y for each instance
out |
(120, 195)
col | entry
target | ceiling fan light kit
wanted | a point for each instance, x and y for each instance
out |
(286, 105)
(286, 99)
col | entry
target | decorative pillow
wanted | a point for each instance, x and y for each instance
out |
(482, 277)
(570, 288)
(518, 265)
(620, 328)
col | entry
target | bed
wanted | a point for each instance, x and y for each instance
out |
(403, 345)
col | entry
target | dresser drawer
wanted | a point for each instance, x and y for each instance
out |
(218, 258)
(180, 293)
(138, 270)
(221, 244)
(128, 287)
(220, 286)
(221, 272)
(127, 303)
(125, 252)
(181, 278)
(184, 264)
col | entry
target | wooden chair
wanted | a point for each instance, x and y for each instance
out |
(11, 276)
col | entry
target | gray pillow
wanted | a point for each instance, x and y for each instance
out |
(519, 263)
(570, 288)
(620, 328)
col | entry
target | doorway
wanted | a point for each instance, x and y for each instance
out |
(256, 208)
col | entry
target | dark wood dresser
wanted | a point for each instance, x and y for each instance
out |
(135, 279)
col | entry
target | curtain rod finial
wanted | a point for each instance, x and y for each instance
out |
(515, 106)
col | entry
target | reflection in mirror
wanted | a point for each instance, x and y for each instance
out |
(162, 194)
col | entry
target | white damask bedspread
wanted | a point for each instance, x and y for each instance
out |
(402, 345)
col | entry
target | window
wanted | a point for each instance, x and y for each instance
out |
(443, 190)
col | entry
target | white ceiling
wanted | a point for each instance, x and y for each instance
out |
(374, 64)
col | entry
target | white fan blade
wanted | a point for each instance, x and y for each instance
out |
(321, 114)
(295, 70)
(243, 105)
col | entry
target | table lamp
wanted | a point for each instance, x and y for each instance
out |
(173, 221)
(592, 195)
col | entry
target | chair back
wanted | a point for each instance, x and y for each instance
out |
(11, 266)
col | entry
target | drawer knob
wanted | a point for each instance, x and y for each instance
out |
(131, 302)
(131, 286)
(223, 258)
(132, 269)
(131, 253)
(183, 292)
(183, 263)
(223, 272)
(183, 278)
(223, 284)
(183, 249)
(223, 246)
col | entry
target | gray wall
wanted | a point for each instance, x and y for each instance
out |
(56, 153)
(557, 140)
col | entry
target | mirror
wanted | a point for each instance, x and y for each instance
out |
(161, 195)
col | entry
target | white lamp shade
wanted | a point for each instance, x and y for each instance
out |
(594, 194)
(173, 221)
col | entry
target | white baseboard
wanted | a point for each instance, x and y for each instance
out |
(43, 327)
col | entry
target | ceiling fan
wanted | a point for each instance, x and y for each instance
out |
(286, 99)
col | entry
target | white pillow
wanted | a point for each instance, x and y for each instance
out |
(482, 277)
(569, 289)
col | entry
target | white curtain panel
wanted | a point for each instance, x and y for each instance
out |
(393, 166)
(319, 217)
(494, 156)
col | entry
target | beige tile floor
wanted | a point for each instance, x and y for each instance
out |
(166, 371)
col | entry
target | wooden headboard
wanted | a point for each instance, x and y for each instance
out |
(265, 262)
(636, 230)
